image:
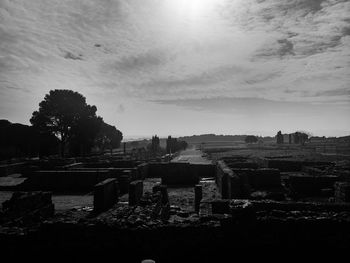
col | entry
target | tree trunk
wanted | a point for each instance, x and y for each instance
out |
(63, 144)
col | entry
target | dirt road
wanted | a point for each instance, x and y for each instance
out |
(192, 156)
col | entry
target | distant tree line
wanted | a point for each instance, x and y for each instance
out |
(251, 139)
(174, 145)
(19, 140)
(64, 121)
(195, 139)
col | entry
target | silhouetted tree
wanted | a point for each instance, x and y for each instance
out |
(173, 145)
(108, 136)
(251, 139)
(66, 114)
(19, 140)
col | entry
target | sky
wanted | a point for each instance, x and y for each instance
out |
(183, 67)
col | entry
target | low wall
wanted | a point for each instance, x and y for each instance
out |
(307, 185)
(203, 170)
(250, 165)
(123, 164)
(180, 172)
(75, 181)
(13, 168)
(72, 166)
(113, 172)
(105, 195)
(228, 182)
(249, 229)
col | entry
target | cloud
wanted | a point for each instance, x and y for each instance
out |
(138, 62)
(308, 27)
(115, 51)
(207, 78)
(220, 104)
(334, 92)
(69, 55)
(280, 48)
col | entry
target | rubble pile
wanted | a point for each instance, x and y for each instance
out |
(342, 191)
(27, 207)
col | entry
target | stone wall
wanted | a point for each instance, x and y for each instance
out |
(105, 195)
(228, 182)
(27, 208)
(8, 169)
(65, 181)
(308, 185)
(180, 173)
(241, 228)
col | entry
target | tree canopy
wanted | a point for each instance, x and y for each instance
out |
(108, 136)
(66, 114)
(19, 140)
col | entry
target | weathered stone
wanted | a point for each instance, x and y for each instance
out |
(105, 195)
(342, 191)
(135, 192)
(164, 194)
(220, 206)
(156, 188)
(198, 194)
(165, 212)
(27, 205)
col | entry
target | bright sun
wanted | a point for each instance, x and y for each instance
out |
(191, 8)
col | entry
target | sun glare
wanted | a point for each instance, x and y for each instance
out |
(191, 8)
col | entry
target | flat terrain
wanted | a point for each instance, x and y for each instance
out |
(296, 152)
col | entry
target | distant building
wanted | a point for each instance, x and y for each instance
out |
(292, 138)
(279, 137)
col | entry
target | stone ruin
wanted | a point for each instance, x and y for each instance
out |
(259, 203)
(25, 208)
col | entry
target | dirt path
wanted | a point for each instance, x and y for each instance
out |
(192, 156)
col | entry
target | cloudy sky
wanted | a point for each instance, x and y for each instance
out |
(183, 67)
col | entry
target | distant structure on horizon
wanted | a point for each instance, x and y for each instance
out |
(292, 138)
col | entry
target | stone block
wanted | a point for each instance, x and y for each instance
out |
(220, 206)
(135, 192)
(28, 205)
(198, 195)
(164, 194)
(105, 195)
(342, 191)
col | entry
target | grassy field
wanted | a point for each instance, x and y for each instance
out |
(299, 152)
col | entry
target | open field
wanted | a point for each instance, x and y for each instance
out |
(299, 152)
